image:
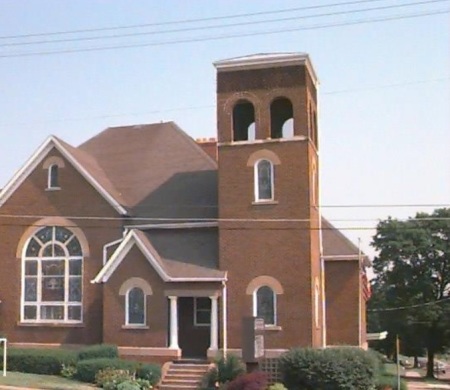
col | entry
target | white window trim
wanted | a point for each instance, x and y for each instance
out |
(255, 305)
(50, 185)
(38, 303)
(127, 314)
(256, 181)
(195, 314)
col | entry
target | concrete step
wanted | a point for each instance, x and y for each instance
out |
(184, 376)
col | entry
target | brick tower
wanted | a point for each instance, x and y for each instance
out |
(269, 240)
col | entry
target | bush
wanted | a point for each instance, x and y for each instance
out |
(343, 368)
(68, 371)
(39, 361)
(149, 372)
(254, 381)
(385, 382)
(225, 370)
(87, 369)
(108, 378)
(98, 351)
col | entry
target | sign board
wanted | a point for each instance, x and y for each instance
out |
(252, 339)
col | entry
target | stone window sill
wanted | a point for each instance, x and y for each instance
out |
(264, 202)
(273, 328)
(135, 327)
(52, 324)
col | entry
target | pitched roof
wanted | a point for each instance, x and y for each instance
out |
(183, 186)
(336, 246)
(187, 252)
(192, 257)
(82, 164)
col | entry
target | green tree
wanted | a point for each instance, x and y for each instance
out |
(411, 287)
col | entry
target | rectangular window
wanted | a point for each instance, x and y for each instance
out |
(202, 311)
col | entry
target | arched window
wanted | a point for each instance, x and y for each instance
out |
(281, 118)
(263, 180)
(243, 121)
(53, 179)
(135, 310)
(264, 305)
(52, 274)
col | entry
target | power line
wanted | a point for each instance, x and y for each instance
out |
(189, 108)
(212, 219)
(221, 26)
(187, 21)
(410, 306)
(241, 228)
(220, 37)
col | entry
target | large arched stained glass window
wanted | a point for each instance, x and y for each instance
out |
(52, 274)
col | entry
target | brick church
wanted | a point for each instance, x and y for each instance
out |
(144, 238)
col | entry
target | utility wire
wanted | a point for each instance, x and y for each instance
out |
(221, 26)
(193, 220)
(410, 306)
(220, 37)
(186, 21)
(189, 108)
(212, 219)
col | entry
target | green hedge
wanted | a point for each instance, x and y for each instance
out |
(87, 369)
(343, 368)
(98, 351)
(39, 361)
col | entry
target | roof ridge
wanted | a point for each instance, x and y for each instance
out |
(194, 145)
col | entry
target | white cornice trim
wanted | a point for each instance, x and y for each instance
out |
(364, 259)
(127, 244)
(37, 157)
(259, 61)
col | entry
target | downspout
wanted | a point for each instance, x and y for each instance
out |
(224, 319)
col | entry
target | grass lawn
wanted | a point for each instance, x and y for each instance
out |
(391, 368)
(42, 382)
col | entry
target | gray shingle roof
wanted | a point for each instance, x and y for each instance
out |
(158, 170)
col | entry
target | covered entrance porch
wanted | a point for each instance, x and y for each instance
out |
(193, 323)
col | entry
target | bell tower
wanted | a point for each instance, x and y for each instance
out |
(269, 240)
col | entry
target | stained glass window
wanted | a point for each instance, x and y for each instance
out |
(264, 180)
(52, 284)
(136, 307)
(265, 305)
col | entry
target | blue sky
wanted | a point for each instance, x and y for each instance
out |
(384, 113)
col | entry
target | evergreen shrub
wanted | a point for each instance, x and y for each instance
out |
(98, 351)
(149, 372)
(224, 371)
(39, 360)
(342, 368)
